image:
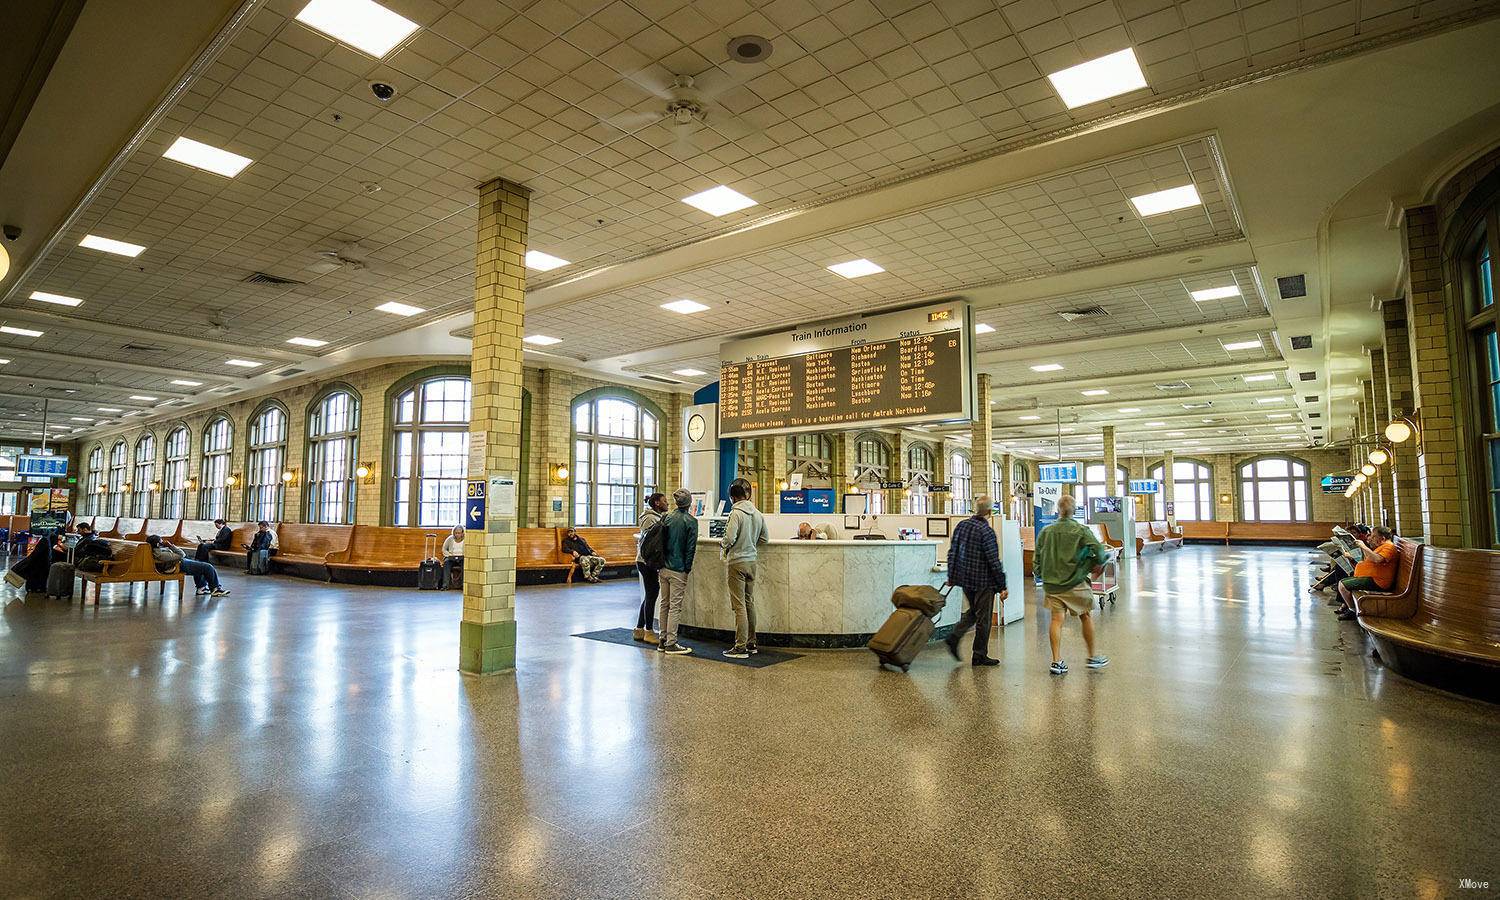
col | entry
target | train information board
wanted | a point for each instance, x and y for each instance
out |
(904, 367)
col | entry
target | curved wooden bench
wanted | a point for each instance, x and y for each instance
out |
(193, 532)
(537, 550)
(1218, 532)
(129, 529)
(1164, 535)
(1028, 549)
(382, 550)
(309, 546)
(1450, 609)
(167, 528)
(243, 532)
(1281, 532)
(1146, 540)
(103, 525)
(1101, 532)
(615, 543)
(133, 563)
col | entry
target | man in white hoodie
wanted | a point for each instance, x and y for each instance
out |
(743, 534)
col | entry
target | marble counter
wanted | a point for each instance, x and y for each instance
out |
(814, 593)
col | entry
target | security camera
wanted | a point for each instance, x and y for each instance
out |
(382, 91)
(12, 232)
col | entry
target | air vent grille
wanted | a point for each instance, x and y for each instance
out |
(1307, 376)
(1301, 342)
(1172, 386)
(1314, 415)
(287, 373)
(1196, 405)
(1087, 312)
(1291, 287)
(1311, 398)
(659, 379)
(144, 348)
(271, 280)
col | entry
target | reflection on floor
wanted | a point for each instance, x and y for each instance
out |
(305, 739)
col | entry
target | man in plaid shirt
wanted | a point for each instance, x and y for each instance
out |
(974, 565)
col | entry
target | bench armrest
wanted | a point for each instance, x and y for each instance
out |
(1401, 605)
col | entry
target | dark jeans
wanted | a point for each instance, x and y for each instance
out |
(449, 564)
(202, 573)
(1328, 581)
(979, 616)
(651, 583)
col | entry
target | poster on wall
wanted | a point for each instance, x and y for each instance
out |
(1044, 503)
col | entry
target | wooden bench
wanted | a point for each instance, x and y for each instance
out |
(1028, 549)
(309, 546)
(1146, 539)
(103, 525)
(614, 543)
(538, 550)
(129, 529)
(382, 550)
(1445, 610)
(1281, 532)
(193, 532)
(1218, 532)
(243, 533)
(1101, 532)
(1165, 536)
(167, 528)
(133, 563)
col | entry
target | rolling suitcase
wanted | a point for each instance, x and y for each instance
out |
(430, 572)
(260, 563)
(60, 581)
(902, 637)
(924, 598)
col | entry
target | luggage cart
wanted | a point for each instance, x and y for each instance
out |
(1107, 585)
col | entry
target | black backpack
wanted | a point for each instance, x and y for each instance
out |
(654, 545)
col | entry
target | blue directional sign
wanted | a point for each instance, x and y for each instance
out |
(474, 505)
(1145, 486)
(1063, 473)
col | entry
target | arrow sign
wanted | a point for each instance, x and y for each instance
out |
(474, 512)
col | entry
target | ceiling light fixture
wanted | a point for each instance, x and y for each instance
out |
(1379, 457)
(1130, 409)
(541, 340)
(689, 373)
(362, 24)
(59, 299)
(307, 342)
(1278, 415)
(185, 383)
(1099, 79)
(1270, 400)
(1158, 202)
(1047, 367)
(982, 328)
(210, 159)
(684, 306)
(855, 268)
(1254, 378)
(719, 201)
(110, 245)
(1218, 293)
(543, 262)
(399, 309)
(1244, 345)
(1030, 418)
(144, 397)
(1155, 424)
(22, 332)
(109, 409)
(1095, 392)
(242, 363)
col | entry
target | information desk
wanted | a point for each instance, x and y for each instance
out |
(814, 593)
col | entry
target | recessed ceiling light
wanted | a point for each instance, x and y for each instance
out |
(1278, 415)
(1218, 293)
(689, 373)
(1244, 345)
(719, 201)
(1174, 434)
(110, 245)
(1095, 392)
(1158, 202)
(399, 309)
(1099, 79)
(856, 268)
(543, 262)
(1260, 377)
(23, 332)
(1155, 424)
(684, 306)
(242, 363)
(1284, 427)
(185, 383)
(109, 409)
(77, 418)
(1030, 418)
(65, 390)
(307, 342)
(145, 397)
(363, 24)
(1047, 367)
(59, 299)
(541, 340)
(1270, 400)
(982, 328)
(210, 159)
(1130, 409)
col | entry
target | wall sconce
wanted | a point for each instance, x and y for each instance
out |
(128, 487)
(1367, 470)
(363, 472)
(155, 486)
(784, 485)
(1379, 457)
(1401, 430)
(1225, 498)
(191, 484)
(231, 480)
(559, 474)
(289, 476)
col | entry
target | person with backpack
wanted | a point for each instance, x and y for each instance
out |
(91, 551)
(680, 534)
(1066, 553)
(743, 534)
(651, 516)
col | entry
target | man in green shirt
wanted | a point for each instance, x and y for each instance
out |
(1067, 552)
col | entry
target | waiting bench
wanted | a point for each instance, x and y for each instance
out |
(133, 563)
(374, 550)
(1169, 537)
(1146, 539)
(540, 549)
(1445, 607)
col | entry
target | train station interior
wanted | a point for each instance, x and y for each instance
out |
(472, 448)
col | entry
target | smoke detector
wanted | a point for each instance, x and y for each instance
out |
(749, 48)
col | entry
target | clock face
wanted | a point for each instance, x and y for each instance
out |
(696, 427)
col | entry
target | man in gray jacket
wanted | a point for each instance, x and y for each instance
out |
(743, 534)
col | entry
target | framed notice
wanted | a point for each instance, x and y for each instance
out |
(937, 527)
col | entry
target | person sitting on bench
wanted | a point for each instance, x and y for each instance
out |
(169, 559)
(223, 540)
(589, 563)
(91, 550)
(453, 555)
(1376, 572)
(264, 539)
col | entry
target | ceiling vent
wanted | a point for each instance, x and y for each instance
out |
(1310, 399)
(271, 280)
(1307, 376)
(659, 379)
(288, 373)
(1087, 312)
(1315, 415)
(1172, 386)
(1196, 405)
(1301, 342)
(144, 348)
(1291, 287)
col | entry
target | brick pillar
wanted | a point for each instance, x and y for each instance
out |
(1370, 424)
(843, 462)
(982, 441)
(552, 421)
(1007, 486)
(895, 500)
(487, 633)
(1111, 462)
(1406, 500)
(1168, 482)
(1381, 407)
(775, 464)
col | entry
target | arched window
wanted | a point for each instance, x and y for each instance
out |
(116, 480)
(142, 476)
(264, 464)
(94, 487)
(616, 458)
(872, 465)
(431, 452)
(1192, 491)
(1483, 317)
(332, 447)
(1018, 475)
(920, 466)
(1095, 486)
(997, 484)
(960, 483)
(812, 456)
(213, 487)
(174, 480)
(1274, 489)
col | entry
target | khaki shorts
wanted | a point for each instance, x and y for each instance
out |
(1078, 600)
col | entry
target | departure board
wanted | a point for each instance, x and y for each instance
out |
(909, 377)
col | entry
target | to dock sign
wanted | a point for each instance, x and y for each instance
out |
(474, 505)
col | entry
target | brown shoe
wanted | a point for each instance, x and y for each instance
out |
(640, 635)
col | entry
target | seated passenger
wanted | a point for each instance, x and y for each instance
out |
(589, 563)
(453, 555)
(169, 559)
(33, 568)
(1376, 572)
(223, 540)
(91, 550)
(805, 533)
(263, 539)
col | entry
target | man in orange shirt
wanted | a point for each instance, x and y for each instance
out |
(1376, 572)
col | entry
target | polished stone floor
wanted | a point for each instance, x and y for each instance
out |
(299, 739)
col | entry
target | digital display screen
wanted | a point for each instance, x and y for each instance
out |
(28, 466)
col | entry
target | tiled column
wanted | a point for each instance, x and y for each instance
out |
(895, 499)
(1432, 371)
(1368, 425)
(487, 634)
(1406, 498)
(1007, 485)
(982, 440)
(1381, 407)
(775, 464)
(551, 418)
(843, 462)
(1168, 482)
(1111, 463)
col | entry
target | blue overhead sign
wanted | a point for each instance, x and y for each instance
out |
(1064, 473)
(1145, 486)
(1336, 484)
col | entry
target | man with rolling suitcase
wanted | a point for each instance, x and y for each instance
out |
(974, 565)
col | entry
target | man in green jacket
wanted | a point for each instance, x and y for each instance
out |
(1067, 552)
(682, 543)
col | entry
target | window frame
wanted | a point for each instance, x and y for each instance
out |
(264, 496)
(1159, 502)
(923, 471)
(1082, 490)
(1481, 340)
(118, 467)
(585, 499)
(816, 467)
(415, 471)
(94, 486)
(870, 472)
(142, 474)
(1292, 479)
(174, 474)
(322, 495)
(960, 480)
(213, 493)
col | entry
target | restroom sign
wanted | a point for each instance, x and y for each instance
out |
(474, 505)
